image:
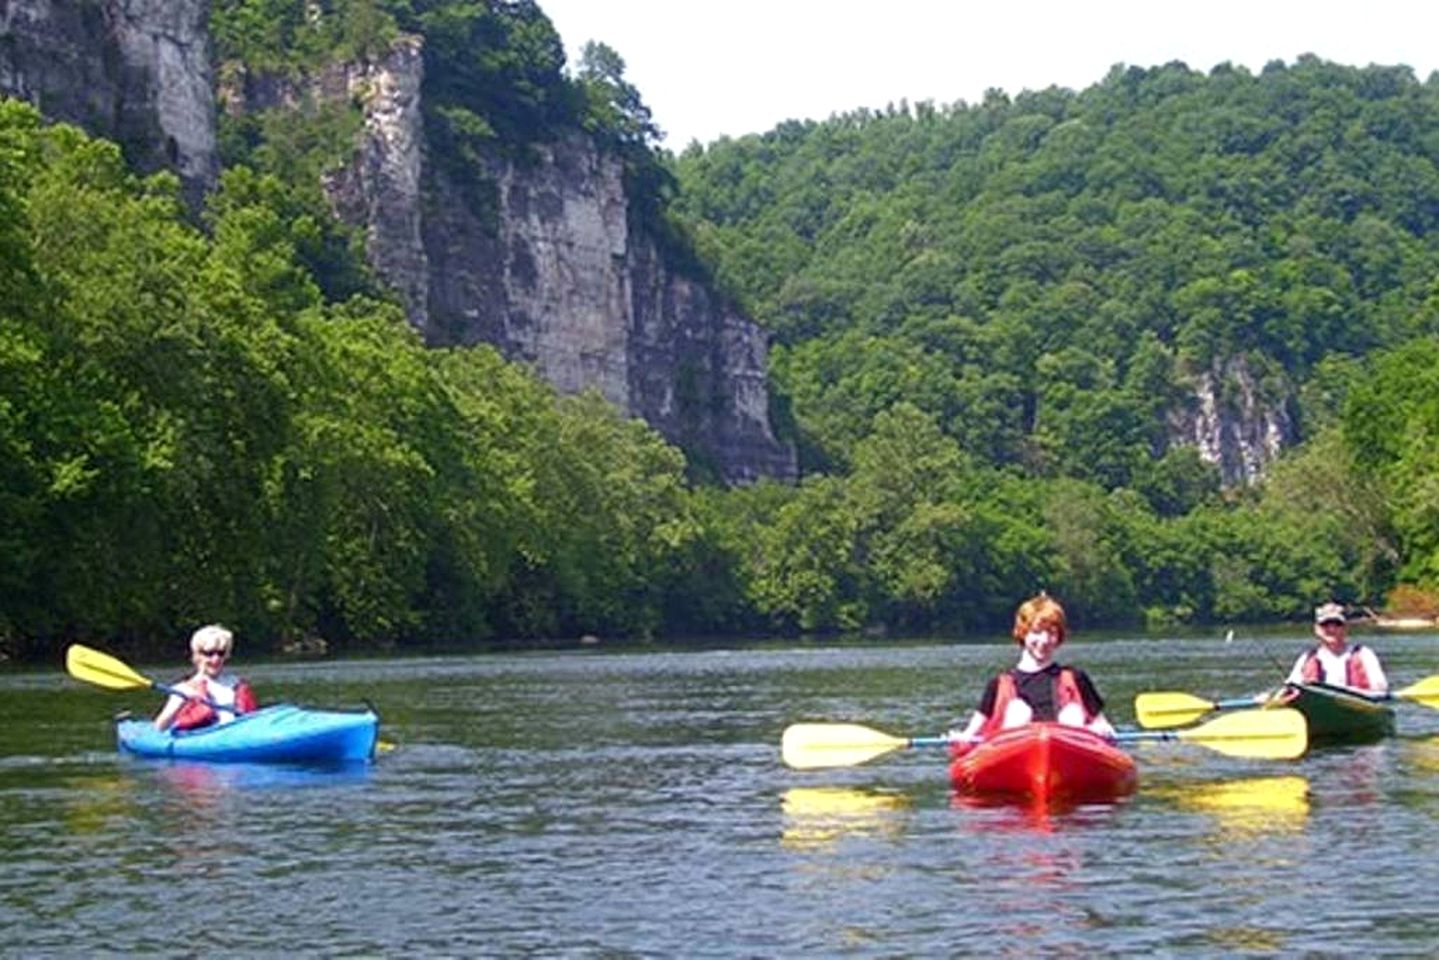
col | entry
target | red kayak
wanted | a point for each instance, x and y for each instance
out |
(1043, 762)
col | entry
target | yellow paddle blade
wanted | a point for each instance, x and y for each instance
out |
(1279, 734)
(1426, 691)
(807, 746)
(1155, 711)
(101, 669)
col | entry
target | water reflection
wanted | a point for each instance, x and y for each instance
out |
(1032, 816)
(1038, 860)
(1355, 776)
(1423, 754)
(209, 809)
(96, 803)
(1416, 785)
(205, 783)
(819, 816)
(1249, 805)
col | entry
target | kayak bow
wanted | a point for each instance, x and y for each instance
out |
(1340, 716)
(1044, 762)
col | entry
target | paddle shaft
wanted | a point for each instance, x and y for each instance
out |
(1119, 736)
(177, 692)
(1137, 736)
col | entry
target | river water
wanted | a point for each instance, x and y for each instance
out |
(602, 803)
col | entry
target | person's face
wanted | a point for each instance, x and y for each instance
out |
(1041, 641)
(210, 660)
(1332, 632)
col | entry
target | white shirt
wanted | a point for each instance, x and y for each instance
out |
(1334, 671)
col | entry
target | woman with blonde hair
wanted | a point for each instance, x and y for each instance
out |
(1038, 688)
(209, 695)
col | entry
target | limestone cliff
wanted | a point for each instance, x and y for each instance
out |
(552, 271)
(567, 284)
(1234, 422)
(133, 71)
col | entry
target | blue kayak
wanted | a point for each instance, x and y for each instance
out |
(278, 734)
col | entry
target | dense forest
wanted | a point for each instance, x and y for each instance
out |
(1042, 283)
(988, 320)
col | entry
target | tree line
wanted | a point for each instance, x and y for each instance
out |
(984, 317)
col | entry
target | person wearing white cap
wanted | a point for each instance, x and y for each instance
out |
(1334, 660)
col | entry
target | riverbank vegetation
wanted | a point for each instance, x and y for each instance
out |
(991, 324)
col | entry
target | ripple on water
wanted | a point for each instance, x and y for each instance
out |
(635, 805)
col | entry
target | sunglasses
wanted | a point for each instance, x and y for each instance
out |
(215, 652)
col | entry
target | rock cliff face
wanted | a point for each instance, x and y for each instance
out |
(550, 271)
(133, 71)
(1233, 423)
(567, 284)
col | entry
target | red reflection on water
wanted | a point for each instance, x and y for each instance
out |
(1032, 815)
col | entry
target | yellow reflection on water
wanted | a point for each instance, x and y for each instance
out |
(96, 803)
(1253, 804)
(1247, 939)
(819, 816)
(1424, 754)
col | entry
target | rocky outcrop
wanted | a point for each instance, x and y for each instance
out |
(379, 188)
(565, 282)
(133, 71)
(1234, 423)
(551, 273)
(540, 258)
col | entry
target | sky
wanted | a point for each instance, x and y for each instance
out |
(731, 67)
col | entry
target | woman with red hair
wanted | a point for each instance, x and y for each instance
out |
(1038, 687)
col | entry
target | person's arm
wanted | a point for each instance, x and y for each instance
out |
(1101, 725)
(1374, 671)
(1093, 705)
(166, 716)
(1296, 673)
(970, 733)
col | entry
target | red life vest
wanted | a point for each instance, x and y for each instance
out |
(1354, 674)
(1066, 692)
(199, 713)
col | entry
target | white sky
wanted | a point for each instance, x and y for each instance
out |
(732, 67)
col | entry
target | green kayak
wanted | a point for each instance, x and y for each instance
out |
(1340, 715)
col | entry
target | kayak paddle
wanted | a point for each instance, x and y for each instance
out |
(103, 670)
(808, 746)
(1160, 710)
(1261, 734)
(1424, 692)
(1280, 734)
